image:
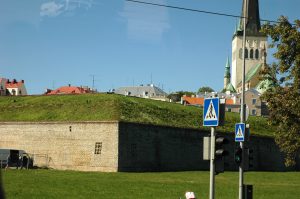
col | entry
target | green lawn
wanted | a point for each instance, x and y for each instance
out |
(108, 107)
(172, 185)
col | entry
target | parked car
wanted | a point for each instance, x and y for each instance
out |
(14, 158)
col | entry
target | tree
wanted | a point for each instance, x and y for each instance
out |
(284, 98)
(176, 96)
(205, 89)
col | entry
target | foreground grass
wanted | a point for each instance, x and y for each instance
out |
(70, 184)
(107, 107)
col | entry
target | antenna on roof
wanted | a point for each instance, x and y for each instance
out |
(93, 81)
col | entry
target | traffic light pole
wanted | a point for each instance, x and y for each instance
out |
(212, 164)
(241, 169)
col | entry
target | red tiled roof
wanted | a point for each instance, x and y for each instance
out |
(193, 100)
(14, 84)
(69, 90)
(229, 101)
(200, 100)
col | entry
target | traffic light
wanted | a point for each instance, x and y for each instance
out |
(248, 164)
(238, 155)
(220, 152)
(251, 158)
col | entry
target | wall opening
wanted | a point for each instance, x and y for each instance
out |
(98, 148)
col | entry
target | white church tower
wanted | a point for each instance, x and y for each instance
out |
(255, 47)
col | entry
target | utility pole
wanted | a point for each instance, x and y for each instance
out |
(93, 82)
(241, 169)
(212, 164)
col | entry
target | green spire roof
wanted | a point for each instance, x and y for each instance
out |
(252, 72)
(230, 88)
(265, 84)
(227, 69)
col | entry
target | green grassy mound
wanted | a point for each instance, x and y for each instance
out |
(108, 107)
(20, 184)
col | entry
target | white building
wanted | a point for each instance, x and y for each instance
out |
(15, 88)
(144, 91)
(256, 48)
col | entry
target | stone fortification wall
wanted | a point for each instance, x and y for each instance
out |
(66, 145)
(114, 146)
(158, 148)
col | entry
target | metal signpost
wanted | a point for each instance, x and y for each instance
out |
(211, 118)
(241, 171)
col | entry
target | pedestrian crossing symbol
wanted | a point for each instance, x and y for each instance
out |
(239, 132)
(211, 112)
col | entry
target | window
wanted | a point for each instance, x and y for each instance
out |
(229, 110)
(146, 93)
(256, 54)
(98, 147)
(253, 111)
(253, 101)
(251, 54)
(246, 54)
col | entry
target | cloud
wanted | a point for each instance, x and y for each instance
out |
(55, 8)
(51, 9)
(145, 22)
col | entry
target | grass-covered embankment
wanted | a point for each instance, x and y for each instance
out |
(107, 107)
(71, 184)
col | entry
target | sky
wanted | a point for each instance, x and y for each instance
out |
(52, 43)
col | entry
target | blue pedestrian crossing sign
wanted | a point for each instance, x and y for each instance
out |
(240, 132)
(211, 112)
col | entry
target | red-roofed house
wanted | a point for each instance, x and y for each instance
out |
(15, 88)
(69, 90)
(233, 102)
(194, 101)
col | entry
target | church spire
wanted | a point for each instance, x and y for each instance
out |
(227, 69)
(250, 10)
(227, 73)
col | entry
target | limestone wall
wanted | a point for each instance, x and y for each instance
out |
(65, 145)
(126, 147)
(157, 148)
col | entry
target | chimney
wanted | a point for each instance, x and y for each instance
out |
(69, 85)
(14, 81)
(22, 81)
